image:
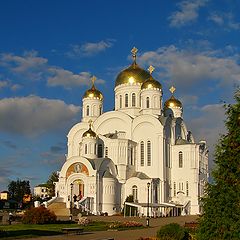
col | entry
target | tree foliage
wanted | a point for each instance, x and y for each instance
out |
(17, 189)
(50, 183)
(221, 204)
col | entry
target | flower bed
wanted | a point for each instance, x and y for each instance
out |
(127, 224)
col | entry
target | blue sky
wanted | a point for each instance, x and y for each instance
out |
(50, 49)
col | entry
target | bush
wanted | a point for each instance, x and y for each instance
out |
(172, 231)
(84, 221)
(39, 215)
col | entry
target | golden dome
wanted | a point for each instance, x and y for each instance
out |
(151, 83)
(93, 93)
(172, 102)
(89, 133)
(132, 74)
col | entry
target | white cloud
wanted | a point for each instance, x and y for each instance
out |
(226, 20)
(188, 11)
(89, 49)
(68, 80)
(33, 115)
(186, 68)
(29, 65)
(32, 67)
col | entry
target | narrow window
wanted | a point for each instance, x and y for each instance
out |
(95, 148)
(180, 157)
(120, 101)
(133, 100)
(147, 102)
(85, 148)
(187, 190)
(174, 189)
(106, 151)
(135, 193)
(126, 100)
(148, 153)
(142, 153)
(88, 111)
(100, 150)
(100, 110)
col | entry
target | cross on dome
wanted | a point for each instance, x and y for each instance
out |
(134, 53)
(151, 69)
(172, 89)
(93, 79)
(90, 123)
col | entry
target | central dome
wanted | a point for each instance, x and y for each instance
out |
(132, 74)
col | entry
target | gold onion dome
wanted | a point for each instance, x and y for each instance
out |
(93, 92)
(132, 74)
(172, 101)
(89, 133)
(151, 83)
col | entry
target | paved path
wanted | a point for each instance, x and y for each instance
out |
(155, 224)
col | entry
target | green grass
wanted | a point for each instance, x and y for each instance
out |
(35, 230)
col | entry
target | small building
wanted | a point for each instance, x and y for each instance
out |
(4, 195)
(41, 191)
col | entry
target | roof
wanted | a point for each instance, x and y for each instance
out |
(140, 175)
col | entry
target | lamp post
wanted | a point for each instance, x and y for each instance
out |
(148, 186)
(71, 186)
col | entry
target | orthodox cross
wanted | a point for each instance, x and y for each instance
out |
(93, 79)
(90, 123)
(134, 53)
(151, 69)
(172, 89)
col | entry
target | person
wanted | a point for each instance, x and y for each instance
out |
(74, 197)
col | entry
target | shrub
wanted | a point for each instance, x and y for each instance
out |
(39, 215)
(172, 231)
(84, 221)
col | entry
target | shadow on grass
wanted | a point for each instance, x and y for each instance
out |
(27, 233)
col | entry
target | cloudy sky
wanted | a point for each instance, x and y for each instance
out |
(50, 49)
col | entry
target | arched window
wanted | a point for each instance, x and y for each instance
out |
(88, 111)
(95, 148)
(100, 110)
(106, 151)
(147, 102)
(148, 153)
(187, 189)
(180, 158)
(126, 100)
(85, 148)
(120, 101)
(100, 150)
(135, 193)
(133, 99)
(142, 153)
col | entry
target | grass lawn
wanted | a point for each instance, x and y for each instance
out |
(35, 230)
(16, 231)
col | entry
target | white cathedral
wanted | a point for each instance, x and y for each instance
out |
(141, 148)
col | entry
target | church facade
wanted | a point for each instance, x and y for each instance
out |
(142, 148)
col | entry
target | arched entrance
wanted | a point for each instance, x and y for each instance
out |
(78, 188)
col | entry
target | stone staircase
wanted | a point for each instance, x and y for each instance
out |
(59, 208)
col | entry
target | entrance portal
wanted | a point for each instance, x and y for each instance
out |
(78, 189)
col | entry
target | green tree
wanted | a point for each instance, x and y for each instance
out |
(221, 204)
(17, 189)
(50, 183)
